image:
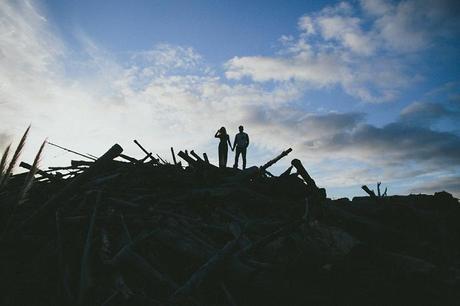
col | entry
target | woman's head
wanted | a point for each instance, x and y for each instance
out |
(222, 130)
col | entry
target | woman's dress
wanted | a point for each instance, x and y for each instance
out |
(223, 150)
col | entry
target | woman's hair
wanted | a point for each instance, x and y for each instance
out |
(223, 131)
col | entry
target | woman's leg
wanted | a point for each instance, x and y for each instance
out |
(224, 157)
(221, 159)
(223, 151)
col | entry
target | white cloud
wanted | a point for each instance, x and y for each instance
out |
(412, 25)
(320, 70)
(371, 82)
(403, 29)
(306, 25)
(328, 52)
(346, 31)
(365, 55)
(376, 7)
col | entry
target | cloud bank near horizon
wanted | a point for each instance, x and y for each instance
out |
(169, 95)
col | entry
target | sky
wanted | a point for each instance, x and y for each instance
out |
(362, 91)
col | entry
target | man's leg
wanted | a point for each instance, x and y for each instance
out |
(237, 155)
(243, 154)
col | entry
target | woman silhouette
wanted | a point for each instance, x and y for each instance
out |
(223, 148)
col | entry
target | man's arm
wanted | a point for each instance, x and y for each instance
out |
(234, 142)
(247, 138)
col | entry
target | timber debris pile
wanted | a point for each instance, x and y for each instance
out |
(121, 231)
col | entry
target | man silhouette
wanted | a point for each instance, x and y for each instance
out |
(241, 143)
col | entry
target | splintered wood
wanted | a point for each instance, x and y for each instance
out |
(123, 231)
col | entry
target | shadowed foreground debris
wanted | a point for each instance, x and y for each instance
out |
(145, 232)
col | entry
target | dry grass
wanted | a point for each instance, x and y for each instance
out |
(14, 159)
(3, 163)
(30, 176)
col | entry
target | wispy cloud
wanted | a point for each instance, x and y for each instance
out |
(168, 58)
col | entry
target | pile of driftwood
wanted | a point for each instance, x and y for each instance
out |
(121, 231)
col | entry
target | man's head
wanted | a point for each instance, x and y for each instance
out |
(241, 128)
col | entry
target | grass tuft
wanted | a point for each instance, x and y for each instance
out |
(14, 159)
(3, 163)
(30, 176)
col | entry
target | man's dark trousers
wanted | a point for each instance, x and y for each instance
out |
(242, 151)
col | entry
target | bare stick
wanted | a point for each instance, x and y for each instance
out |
(173, 156)
(371, 193)
(303, 173)
(40, 172)
(184, 155)
(273, 161)
(71, 151)
(149, 155)
(205, 156)
(198, 158)
(287, 172)
(162, 160)
(129, 158)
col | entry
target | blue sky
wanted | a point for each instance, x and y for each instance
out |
(219, 29)
(363, 91)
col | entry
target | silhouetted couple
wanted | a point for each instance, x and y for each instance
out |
(240, 144)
